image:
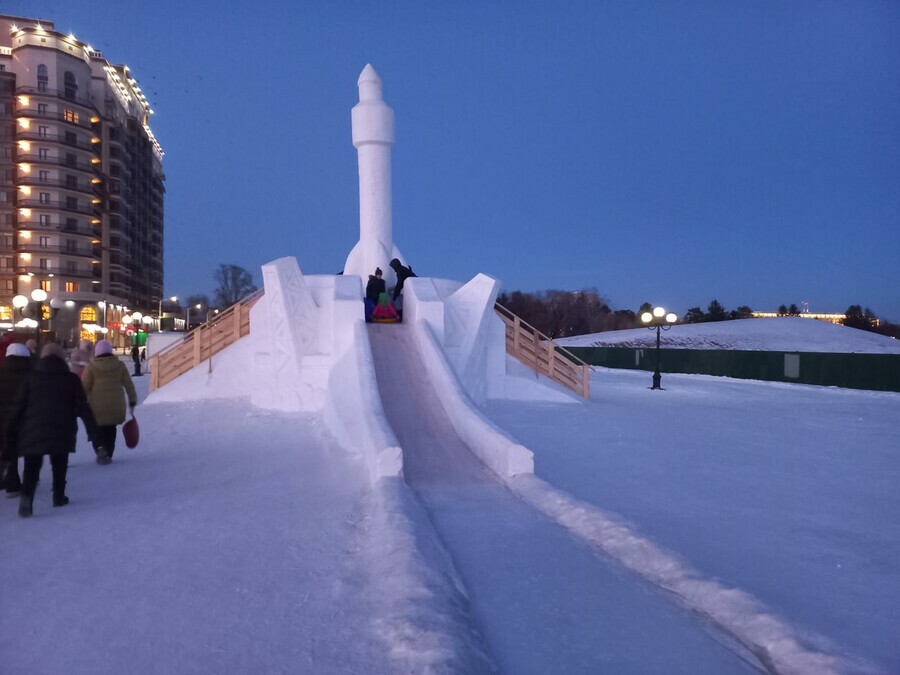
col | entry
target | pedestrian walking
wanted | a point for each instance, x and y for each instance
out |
(107, 382)
(81, 356)
(43, 421)
(13, 372)
(136, 359)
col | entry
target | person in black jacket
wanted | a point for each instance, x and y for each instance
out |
(43, 422)
(13, 371)
(374, 289)
(403, 273)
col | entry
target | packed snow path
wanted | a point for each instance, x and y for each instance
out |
(541, 599)
(227, 542)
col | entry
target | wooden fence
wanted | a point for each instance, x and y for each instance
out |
(202, 343)
(537, 351)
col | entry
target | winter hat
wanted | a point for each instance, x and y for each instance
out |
(103, 347)
(17, 349)
(378, 272)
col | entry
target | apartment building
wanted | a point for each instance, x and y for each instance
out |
(81, 188)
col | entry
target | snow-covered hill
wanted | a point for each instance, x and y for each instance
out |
(785, 334)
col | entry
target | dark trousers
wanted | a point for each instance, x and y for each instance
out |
(13, 482)
(59, 463)
(137, 367)
(106, 437)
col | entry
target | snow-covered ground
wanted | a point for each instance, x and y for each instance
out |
(783, 334)
(235, 540)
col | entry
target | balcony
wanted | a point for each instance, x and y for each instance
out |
(79, 230)
(35, 115)
(56, 205)
(80, 143)
(44, 273)
(81, 186)
(29, 246)
(86, 167)
(57, 94)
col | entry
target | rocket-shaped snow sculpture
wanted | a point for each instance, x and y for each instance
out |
(373, 135)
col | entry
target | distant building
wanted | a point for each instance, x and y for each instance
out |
(830, 318)
(81, 185)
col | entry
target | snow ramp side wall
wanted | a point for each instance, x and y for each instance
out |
(353, 409)
(495, 448)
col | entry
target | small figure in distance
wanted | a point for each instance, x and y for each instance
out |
(374, 289)
(81, 356)
(136, 359)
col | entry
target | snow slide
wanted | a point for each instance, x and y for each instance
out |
(542, 599)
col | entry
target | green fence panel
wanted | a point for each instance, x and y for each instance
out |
(879, 372)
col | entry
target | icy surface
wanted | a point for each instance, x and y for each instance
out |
(783, 492)
(783, 334)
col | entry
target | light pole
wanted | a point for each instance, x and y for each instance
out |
(187, 324)
(39, 295)
(659, 320)
(174, 298)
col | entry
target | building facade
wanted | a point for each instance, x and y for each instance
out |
(81, 189)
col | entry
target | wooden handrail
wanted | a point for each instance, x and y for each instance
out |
(528, 345)
(202, 343)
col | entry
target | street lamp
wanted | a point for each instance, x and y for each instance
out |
(39, 295)
(659, 320)
(174, 298)
(187, 326)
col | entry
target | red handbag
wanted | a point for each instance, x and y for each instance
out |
(131, 432)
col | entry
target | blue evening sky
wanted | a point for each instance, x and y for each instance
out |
(668, 152)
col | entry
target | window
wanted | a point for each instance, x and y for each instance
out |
(44, 242)
(72, 287)
(70, 138)
(71, 202)
(71, 116)
(71, 245)
(71, 182)
(42, 109)
(6, 285)
(71, 85)
(42, 153)
(43, 176)
(44, 198)
(42, 132)
(45, 264)
(6, 263)
(45, 285)
(71, 267)
(42, 77)
(88, 314)
(71, 223)
(71, 159)
(45, 220)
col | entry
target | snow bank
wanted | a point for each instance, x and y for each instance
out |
(353, 409)
(783, 334)
(426, 620)
(494, 447)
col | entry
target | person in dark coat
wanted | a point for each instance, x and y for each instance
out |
(13, 371)
(136, 359)
(403, 273)
(374, 289)
(43, 421)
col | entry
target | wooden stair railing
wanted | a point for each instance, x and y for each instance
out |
(202, 343)
(528, 345)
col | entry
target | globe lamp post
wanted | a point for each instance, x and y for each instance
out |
(659, 320)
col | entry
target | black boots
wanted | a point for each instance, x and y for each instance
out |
(59, 498)
(25, 503)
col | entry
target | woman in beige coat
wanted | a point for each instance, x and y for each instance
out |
(106, 381)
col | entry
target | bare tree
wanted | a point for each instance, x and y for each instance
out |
(234, 283)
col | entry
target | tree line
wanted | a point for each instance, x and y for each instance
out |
(560, 314)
